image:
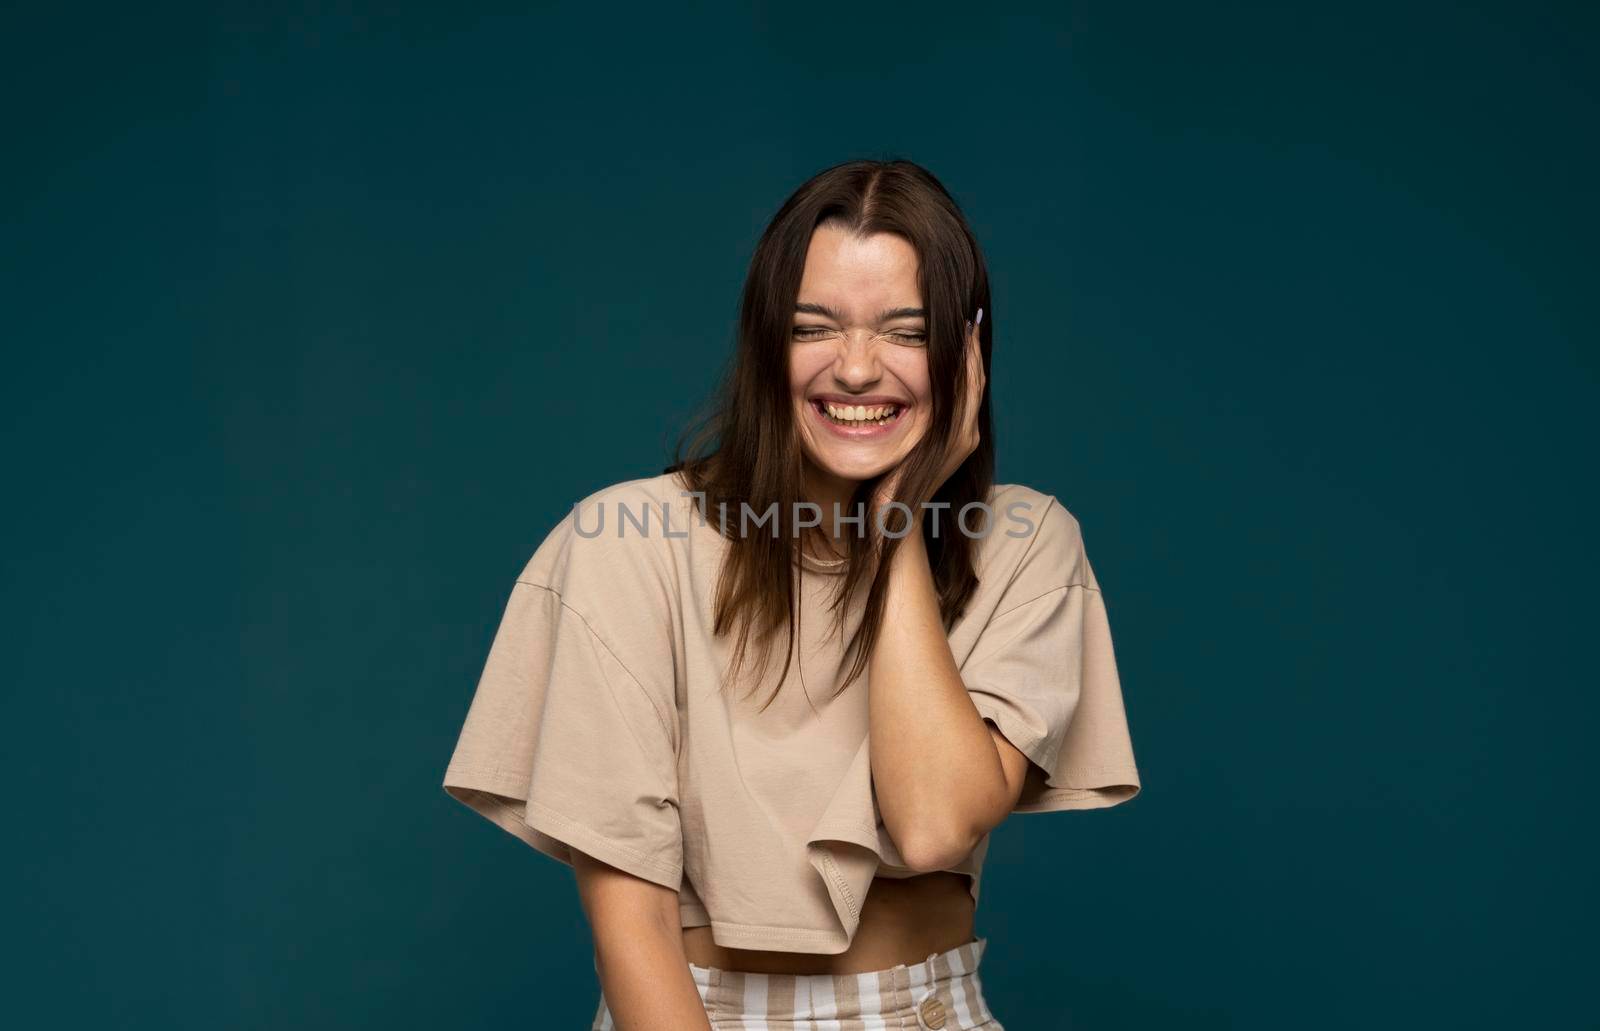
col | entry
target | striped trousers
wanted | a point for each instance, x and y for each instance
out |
(942, 993)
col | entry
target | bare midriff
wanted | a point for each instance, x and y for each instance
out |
(904, 920)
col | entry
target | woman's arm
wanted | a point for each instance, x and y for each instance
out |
(638, 947)
(943, 776)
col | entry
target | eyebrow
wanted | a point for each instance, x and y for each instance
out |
(807, 308)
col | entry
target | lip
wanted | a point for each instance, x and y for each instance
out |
(857, 432)
(864, 400)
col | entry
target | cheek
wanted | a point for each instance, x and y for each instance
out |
(912, 372)
(802, 370)
(916, 383)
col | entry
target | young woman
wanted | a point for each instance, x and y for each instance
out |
(770, 703)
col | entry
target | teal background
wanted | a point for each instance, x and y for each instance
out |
(317, 318)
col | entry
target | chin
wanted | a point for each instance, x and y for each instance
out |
(850, 475)
(854, 471)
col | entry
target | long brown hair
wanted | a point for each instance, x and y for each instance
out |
(747, 450)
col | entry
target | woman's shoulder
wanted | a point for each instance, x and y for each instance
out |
(637, 494)
(1033, 529)
(613, 534)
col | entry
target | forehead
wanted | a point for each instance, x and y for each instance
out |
(860, 276)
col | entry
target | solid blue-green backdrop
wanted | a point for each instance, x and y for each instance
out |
(317, 317)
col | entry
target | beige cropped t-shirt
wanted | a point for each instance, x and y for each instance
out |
(600, 723)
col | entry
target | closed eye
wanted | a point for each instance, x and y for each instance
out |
(818, 332)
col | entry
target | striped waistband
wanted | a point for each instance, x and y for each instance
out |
(943, 991)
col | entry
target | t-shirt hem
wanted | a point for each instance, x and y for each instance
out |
(1034, 746)
(760, 936)
(1098, 787)
(490, 793)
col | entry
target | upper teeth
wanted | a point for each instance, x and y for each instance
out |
(858, 413)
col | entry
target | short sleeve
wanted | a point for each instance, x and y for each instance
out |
(1044, 672)
(566, 745)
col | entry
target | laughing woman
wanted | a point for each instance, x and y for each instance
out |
(770, 704)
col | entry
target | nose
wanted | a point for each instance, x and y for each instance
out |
(857, 364)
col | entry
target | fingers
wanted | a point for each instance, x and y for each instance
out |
(978, 367)
(963, 432)
(975, 378)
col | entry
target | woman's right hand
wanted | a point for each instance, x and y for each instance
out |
(965, 440)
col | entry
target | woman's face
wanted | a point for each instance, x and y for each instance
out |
(858, 357)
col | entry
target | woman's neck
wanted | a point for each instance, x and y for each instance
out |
(831, 493)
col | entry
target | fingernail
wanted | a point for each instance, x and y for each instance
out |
(980, 316)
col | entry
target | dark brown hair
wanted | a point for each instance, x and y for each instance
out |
(747, 449)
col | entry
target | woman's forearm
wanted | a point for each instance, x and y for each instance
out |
(935, 765)
(646, 980)
(638, 950)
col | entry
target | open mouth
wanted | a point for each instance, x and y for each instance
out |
(857, 417)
